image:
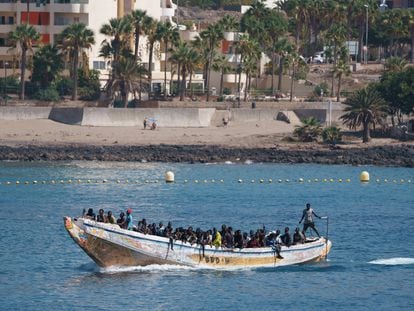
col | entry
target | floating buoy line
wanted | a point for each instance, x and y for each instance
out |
(171, 180)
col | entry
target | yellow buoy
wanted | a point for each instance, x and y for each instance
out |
(169, 177)
(364, 176)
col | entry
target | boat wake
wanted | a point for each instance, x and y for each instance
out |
(167, 268)
(393, 261)
(147, 269)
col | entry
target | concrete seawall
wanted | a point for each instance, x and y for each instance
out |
(165, 117)
(181, 117)
(24, 113)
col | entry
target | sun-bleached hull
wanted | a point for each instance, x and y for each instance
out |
(109, 245)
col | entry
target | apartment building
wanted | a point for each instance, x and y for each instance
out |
(50, 17)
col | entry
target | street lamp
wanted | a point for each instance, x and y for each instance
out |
(366, 34)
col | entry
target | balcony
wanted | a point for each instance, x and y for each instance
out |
(231, 36)
(70, 7)
(7, 28)
(229, 78)
(168, 12)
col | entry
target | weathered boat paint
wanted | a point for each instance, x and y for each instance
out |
(109, 245)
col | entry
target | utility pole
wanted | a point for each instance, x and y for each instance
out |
(366, 34)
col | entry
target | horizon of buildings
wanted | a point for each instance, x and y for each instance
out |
(51, 18)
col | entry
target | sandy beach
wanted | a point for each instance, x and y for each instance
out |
(46, 140)
(47, 132)
(267, 134)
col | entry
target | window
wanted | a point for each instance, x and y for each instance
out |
(99, 65)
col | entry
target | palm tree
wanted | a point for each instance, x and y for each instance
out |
(282, 47)
(212, 36)
(365, 107)
(332, 135)
(119, 29)
(410, 22)
(341, 69)
(47, 64)
(248, 51)
(229, 23)
(23, 36)
(221, 64)
(395, 28)
(168, 34)
(275, 27)
(336, 36)
(294, 61)
(185, 56)
(137, 20)
(309, 130)
(77, 38)
(127, 78)
(298, 11)
(153, 30)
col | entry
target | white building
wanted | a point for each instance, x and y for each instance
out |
(51, 18)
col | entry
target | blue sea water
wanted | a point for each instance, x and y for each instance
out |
(370, 267)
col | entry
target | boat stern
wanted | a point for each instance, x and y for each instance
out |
(325, 250)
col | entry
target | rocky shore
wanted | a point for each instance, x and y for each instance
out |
(400, 155)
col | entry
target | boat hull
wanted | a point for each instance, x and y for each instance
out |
(108, 245)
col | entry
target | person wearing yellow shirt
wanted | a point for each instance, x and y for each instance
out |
(216, 238)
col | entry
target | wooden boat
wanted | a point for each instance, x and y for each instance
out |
(109, 245)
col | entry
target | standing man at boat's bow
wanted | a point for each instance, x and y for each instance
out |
(308, 216)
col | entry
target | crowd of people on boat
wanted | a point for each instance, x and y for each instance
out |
(226, 237)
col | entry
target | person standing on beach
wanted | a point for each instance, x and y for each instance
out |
(308, 214)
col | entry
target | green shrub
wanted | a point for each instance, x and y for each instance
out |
(31, 88)
(321, 87)
(89, 85)
(64, 86)
(89, 94)
(12, 85)
(49, 94)
(332, 135)
(309, 130)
